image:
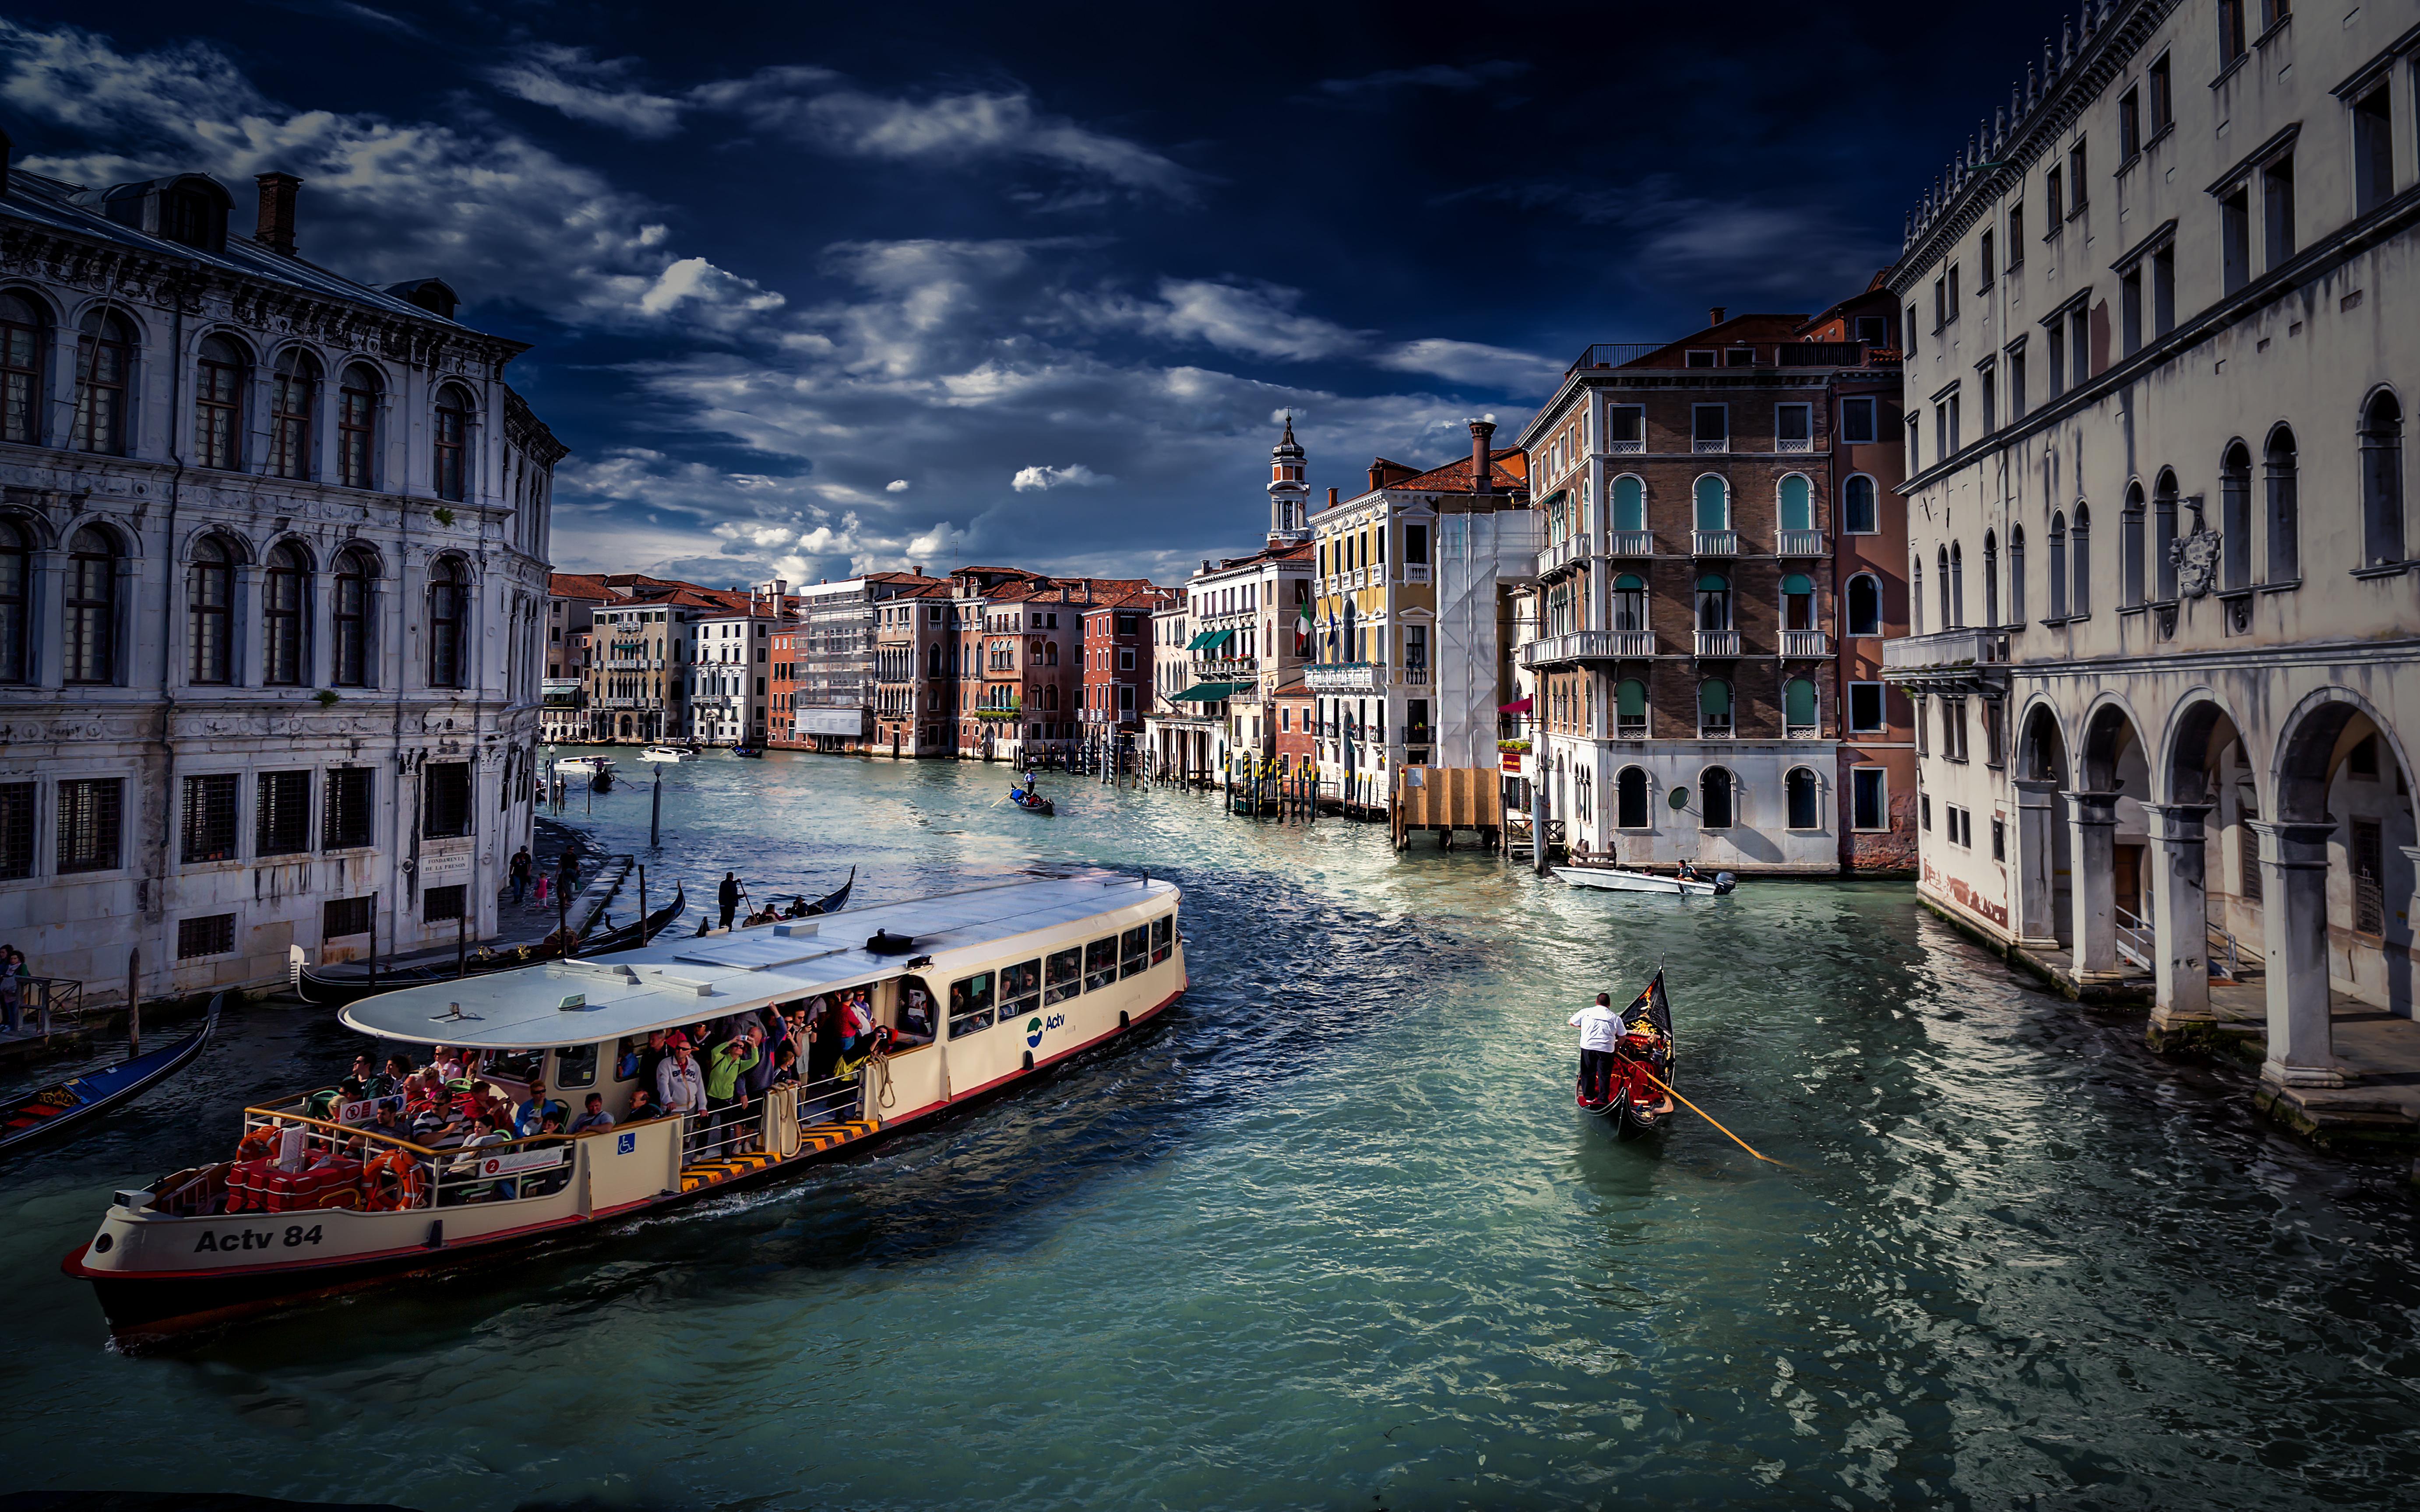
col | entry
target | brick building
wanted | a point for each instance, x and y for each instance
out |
(915, 701)
(1117, 671)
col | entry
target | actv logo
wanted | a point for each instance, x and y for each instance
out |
(1032, 1033)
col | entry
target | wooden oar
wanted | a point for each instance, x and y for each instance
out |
(1710, 1118)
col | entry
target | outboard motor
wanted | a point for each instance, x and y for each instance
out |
(1723, 882)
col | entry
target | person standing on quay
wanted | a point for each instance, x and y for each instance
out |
(728, 895)
(521, 871)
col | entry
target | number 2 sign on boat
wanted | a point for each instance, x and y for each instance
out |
(966, 994)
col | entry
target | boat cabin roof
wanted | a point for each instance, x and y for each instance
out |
(672, 984)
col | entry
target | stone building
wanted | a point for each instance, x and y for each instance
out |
(915, 695)
(272, 595)
(2167, 660)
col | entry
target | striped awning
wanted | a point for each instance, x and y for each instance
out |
(1208, 692)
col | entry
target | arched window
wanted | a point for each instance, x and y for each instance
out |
(103, 385)
(2235, 515)
(91, 627)
(2079, 545)
(16, 599)
(2284, 509)
(1630, 709)
(1806, 809)
(1865, 605)
(1629, 502)
(1797, 602)
(281, 617)
(351, 620)
(1859, 514)
(218, 405)
(1953, 593)
(2381, 480)
(1630, 602)
(446, 604)
(1715, 791)
(357, 418)
(2016, 575)
(2057, 565)
(293, 397)
(1798, 707)
(22, 349)
(1630, 799)
(1714, 707)
(1713, 602)
(453, 442)
(1797, 503)
(209, 599)
(2164, 536)
(1991, 580)
(2130, 561)
(1713, 504)
(1915, 592)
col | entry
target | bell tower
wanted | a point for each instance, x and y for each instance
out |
(1289, 493)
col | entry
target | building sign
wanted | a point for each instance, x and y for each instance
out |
(849, 722)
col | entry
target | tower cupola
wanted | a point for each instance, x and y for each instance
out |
(1289, 491)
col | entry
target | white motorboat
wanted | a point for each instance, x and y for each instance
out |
(584, 765)
(1614, 879)
(667, 753)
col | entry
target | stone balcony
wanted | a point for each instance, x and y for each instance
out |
(1348, 677)
(1798, 542)
(1714, 543)
(1630, 543)
(1806, 645)
(1562, 555)
(1969, 661)
(1717, 646)
(1589, 645)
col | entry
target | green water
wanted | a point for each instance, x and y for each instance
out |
(1332, 1233)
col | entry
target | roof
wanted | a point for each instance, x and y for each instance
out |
(1507, 472)
(577, 585)
(672, 984)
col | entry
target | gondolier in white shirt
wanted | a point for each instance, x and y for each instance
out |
(1600, 1029)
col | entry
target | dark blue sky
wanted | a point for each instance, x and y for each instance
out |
(826, 288)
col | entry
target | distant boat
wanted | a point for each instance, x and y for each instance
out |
(335, 986)
(1614, 879)
(832, 902)
(584, 765)
(80, 1099)
(746, 750)
(1032, 802)
(667, 753)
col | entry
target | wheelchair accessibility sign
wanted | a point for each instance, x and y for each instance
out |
(624, 1143)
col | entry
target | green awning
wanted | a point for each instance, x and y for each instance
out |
(1208, 692)
(1209, 640)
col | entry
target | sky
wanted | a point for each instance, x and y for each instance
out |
(815, 290)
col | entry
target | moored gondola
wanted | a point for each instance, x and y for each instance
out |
(335, 986)
(1635, 1093)
(80, 1100)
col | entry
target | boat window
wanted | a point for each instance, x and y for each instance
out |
(1020, 987)
(575, 1065)
(1064, 974)
(1135, 950)
(516, 1065)
(1100, 964)
(971, 1000)
(1163, 937)
(626, 1056)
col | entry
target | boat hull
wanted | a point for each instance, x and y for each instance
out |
(1611, 879)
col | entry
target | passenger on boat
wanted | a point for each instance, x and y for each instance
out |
(785, 1066)
(643, 1106)
(915, 1015)
(680, 1085)
(390, 1082)
(725, 1098)
(535, 1107)
(387, 1124)
(1687, 872)
(449, 1064)
(596, 1118)
(1600, 1029)
(651, 1060)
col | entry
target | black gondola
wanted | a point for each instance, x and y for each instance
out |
(1642, 1059)
(1030, 801)
(830, 903)
(335, 986)
(80, 1099)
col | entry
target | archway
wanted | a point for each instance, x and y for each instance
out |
(2044, 916)
(2200, 739)
(2106, 842)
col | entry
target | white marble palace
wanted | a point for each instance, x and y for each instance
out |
(2163, 352)
(272, 578)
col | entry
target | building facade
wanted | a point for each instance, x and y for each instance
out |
(915, 693)
(1117, 674)
(2167, 654)
(272, 595)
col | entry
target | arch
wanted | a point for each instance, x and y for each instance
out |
(1915, 592)
(1629, 502)
(1794, 500)
(2016, 575)
(450, 463)
(1803, 796)
(1711, 499)
(1864, 606)
(2132, 560)
(90, 604)
(221, 371)
(2198, 726)
(1630, 789)
(2058, 564)
(2282, 477)
(106, 343)
(294, 400)
(1953, 589)
(2381, 478)
(1860, 506)
(2235, 513)
(449, 592)
(1717, 798)
(25, 353)
(16, 600)
(1797, 602)
(1714, 707)
(1630, 708)
(2079, 553)
(1630, 602)
(283, 593)
(1800, 705)
(2042, 745)
(2304, 762)
(2164, 498)
(2112, 734)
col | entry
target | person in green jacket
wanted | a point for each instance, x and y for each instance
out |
(726, 1102)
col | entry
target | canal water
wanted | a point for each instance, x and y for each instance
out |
(1332, 1233)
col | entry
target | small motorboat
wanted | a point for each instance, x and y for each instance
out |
(1609, 878)
(81, 1099)
(583, 765)
(667, 753)
(1030, 801)
(1635, 1095)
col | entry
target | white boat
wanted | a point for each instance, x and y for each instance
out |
(667, 753)
(1614, 879)
(1024, 973)
(584, 765)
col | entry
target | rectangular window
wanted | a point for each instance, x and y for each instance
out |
(1857, 423)
(2163, 96)
(282, 813)
(2129, 124)
(2057, 358)
(341, 917)
(2277, 209)
(2054, 205)
(2075, 178)
(1020, 989)
(2235, 239)
(2016, 382)
(209, 818)
(1710, 426)
(1866, 708)
(1984, 264)
(446, 799)
(2367, 859)
(2230, 31)
(1101, 964)
(2079, 344)
(1739, 357)
(1134, 952)
(1999, 839)
(2130, 310)
(1956, 441)
(1626, 428)
(2373, 150)
(1163, 937)
(1910, 329)
(1868, 798)
(1924, 811)
(1915, 424)
(441, 905)
(1698, 359)
(1063, 975)
(16, 830)
(1792, 427)
(346, 820)
(213, 935)
(2016, 237)
(1940, 303)
(2163, 291)
(1990, 379)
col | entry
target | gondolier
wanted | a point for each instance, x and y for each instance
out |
(728, 896)
(1600, 1029)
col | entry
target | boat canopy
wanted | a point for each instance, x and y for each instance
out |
(672, 984)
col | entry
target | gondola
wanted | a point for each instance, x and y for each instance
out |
(749, 752)
(335, 986)
(1030, 801)
(81, 1099)
(830, 903)
(1641, 1059)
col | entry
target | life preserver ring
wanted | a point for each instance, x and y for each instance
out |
(410, 1183)
(258, 1145)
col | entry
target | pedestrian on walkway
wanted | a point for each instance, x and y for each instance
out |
(728, 895)
(521, 874)
(566, 872)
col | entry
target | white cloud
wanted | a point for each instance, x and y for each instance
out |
(1074, 476)
(1260, 321)
(1469, 361)
(587, 89)
(895, 485)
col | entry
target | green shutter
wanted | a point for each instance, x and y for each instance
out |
(1797, 582)
(1630, 698)
(1629, 504)
(1798, 701)
(1714, 504)
(1797, 504)
(1714, 697)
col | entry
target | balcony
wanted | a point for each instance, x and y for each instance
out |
(1626, 445)
(1630, 543)
(1348, 677)
(1793, 443)
(1955, 662)
(1798, 542)
(1714, 543)
(1416, 572)
(1711, 445)
(1012, 712)
(1616, 353)
(1717, 646)
(1806, 644)
(1563, 554)
(1589, 645)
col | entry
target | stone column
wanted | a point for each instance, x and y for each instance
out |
(244, 625)
(319, 630)
(2092, 881)
(2037, 858)
(2294, 920)
(2180, 914)
(48, 611)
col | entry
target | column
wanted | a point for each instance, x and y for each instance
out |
(2092, 881)
(2179, 913)
(319, 630)
(47, 614)
(2036, 857)
(2294, 927)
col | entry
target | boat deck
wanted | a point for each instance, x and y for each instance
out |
(814, 1140)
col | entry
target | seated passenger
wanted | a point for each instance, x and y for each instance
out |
(915, 1017)
(595, 1118)
(385, 1123)
(390, 1082)
(643, 1105)
(533, 1108)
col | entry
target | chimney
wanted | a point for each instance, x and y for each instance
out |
(1481, 430)
(1331, 497)
(276, 228)
(1715, 316)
